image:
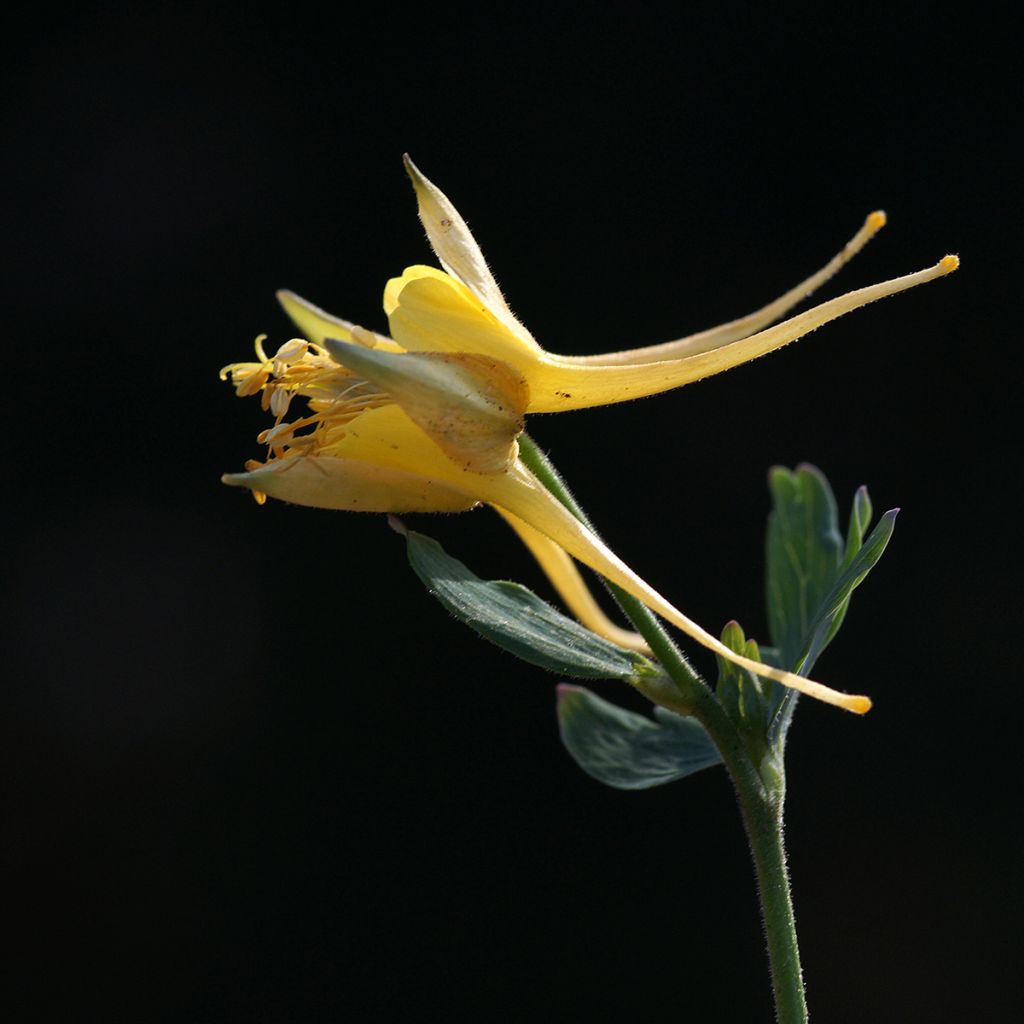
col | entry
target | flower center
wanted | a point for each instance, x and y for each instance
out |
(335, 396)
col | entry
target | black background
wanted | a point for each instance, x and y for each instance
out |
(252, 771)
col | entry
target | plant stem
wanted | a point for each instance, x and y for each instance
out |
(763, 823)
(760, 802)
(761, 807)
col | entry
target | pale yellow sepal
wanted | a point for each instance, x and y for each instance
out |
(472, 406)
(317, 325)
(457, 250)
(350, 485)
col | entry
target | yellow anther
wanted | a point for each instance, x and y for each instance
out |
(291, 351)
(279, 401)
(253, 382)
(274, 436)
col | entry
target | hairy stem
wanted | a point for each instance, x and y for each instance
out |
(760, 801)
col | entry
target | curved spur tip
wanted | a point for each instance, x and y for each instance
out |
(859, 705)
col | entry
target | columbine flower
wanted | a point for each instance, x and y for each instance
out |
(358, 450)
(428, 420)
(462, 310)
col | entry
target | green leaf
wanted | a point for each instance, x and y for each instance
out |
(860, 517)
(861, 562)
(812, 572)
(626, 750)
(518, 621)
(804, 551)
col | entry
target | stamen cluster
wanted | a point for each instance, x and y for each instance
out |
(335, 396)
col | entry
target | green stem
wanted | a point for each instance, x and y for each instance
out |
(760, 802)
(763, 822)
(761, 805)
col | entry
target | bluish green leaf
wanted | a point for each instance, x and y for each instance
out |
(517, 620)
(626, 750)
(833, 607)
(804, 550)
(812, 572)
(860, 519)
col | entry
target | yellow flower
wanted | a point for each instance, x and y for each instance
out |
(427, 420)
(462, 310)
(358, 451)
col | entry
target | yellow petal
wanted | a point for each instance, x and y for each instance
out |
(473, 407)
(457, 250)
(385, 437)
(393, 287)
(432, 312)
(316, 325)
(566, 579)
(388, 437)
(521, 494)
(557, 385)
(350, 485)
(724, 334)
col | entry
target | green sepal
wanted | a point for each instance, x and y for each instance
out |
(625, 750)
(517, 620)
